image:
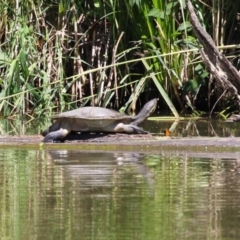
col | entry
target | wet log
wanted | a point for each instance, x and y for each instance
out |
(220, 67)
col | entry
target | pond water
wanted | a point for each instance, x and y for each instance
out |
(71, 194)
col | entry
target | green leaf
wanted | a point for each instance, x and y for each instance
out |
(132, 2)
(153, 12)
(61, 8)
(96, 4)
(198, 67)
(171, 5)
(144, 37)
(184, 26)
(182, 3)
(3, 58)
(157, 13)
(204, 74)
(23, 61)
(192, 85)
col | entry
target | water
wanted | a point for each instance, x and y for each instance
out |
(66, 194)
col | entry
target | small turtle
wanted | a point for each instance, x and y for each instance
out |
(97, 119)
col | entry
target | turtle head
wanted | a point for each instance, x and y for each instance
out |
(150, 106)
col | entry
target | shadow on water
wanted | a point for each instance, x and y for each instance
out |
(71, 194)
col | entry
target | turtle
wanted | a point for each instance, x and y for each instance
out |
(97, 119)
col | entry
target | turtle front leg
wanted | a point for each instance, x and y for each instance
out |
(45, 132)
(128, 128)
(57, 135)
(57, 131)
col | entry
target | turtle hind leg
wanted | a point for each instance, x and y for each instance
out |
(128, 128)
(138, 130)
(56, 135)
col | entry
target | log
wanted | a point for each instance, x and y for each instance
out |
(220, 67)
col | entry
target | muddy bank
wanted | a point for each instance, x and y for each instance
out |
(124, 142)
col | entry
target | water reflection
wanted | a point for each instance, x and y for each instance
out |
(97, 170)
(104, 192)
(64, 194)
(203, 128)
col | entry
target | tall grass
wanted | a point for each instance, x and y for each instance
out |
(57, 55)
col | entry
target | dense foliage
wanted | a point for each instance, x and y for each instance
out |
(55, 55)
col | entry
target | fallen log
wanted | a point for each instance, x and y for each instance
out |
(220, 67)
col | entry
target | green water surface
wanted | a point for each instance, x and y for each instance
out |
(71, 194)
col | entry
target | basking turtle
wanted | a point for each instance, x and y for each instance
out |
(97, 119)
